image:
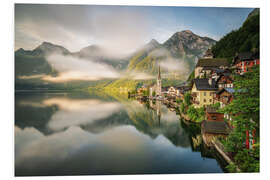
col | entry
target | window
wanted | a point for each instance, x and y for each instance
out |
(214, 117)
(204, 93)
(204, 100)
(210, 100)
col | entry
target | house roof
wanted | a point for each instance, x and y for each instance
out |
(215, 127)
(208, 68)
(228, 75)
(232, 90)
(186, 88)
(214, 62)
(203, 84)
(245, 56)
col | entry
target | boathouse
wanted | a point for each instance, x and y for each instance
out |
(213, 115)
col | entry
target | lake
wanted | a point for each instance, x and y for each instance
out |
(81, 133)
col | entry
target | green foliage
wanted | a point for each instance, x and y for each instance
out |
(245, 112)
(182, 108)
(187, 99)
(154, 93)
(244, 39)
(246, 103)
(248, 160)
(178, 101)
(232, 168)
(196, 114)
(216, 105)
(146, 92)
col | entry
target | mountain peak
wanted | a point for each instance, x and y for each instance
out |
(187, 43)
(47, 47)
(153, 41)
(48, 44)
(187, 31)
(20, 50)
(90, 47)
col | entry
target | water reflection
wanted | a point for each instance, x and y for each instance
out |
(86, 134)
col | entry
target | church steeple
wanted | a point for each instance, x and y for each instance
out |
(158, 88)
(159, 77)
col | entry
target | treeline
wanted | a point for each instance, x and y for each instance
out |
(246, 38)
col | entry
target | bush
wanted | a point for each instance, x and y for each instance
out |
(178, 101)
(197, 115)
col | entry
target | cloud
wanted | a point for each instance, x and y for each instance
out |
(170, 64)
(72, 68)
(140, 76)
(78, 112)
(175, 65)
(119, 30)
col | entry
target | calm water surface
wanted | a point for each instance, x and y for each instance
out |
(84, 134)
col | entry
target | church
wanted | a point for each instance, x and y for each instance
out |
(157, 87)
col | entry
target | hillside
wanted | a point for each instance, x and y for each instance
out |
(98, 54)
(177, 57)
(246, 38)
(185, 47)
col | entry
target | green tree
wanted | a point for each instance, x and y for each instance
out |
(196, 114)
(245, 112)
(187, 99)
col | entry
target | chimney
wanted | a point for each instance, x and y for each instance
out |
(210, 81)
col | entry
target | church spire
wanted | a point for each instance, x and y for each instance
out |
(159, 72)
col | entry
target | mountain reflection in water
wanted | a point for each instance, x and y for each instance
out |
(76, 134)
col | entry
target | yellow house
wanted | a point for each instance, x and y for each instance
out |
(203, 92)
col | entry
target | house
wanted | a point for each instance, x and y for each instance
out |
(141, 90)
(224, 80)
(181, 90)
(213, 115)
(171, 91)
(215, 127)
(224, 96)
(203, 91)
(217, 72)
(244, 61)
(205, 66)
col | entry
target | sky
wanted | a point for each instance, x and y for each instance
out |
(117, 28)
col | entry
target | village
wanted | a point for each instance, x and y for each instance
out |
(200, 100)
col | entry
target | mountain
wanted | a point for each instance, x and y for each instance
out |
(182, 46)
(142, 61)
(186, 43)
(33, 62)
(98, 54)
(45, 48)
(246, 38)
(177, 57)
